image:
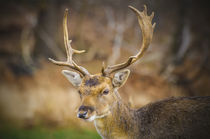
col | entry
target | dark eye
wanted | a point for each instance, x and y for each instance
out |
(105, 92)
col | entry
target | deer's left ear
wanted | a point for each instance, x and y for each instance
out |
(120, 78)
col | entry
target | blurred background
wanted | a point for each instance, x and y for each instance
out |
(36, 101)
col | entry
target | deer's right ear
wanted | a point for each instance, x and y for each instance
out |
(73, 77)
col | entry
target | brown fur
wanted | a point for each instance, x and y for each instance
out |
(174, 118)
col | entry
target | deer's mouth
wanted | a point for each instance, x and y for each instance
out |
(94, 116)
(91, 118)
(86, 115)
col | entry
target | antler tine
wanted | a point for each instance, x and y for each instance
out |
(69, 51)
(145, 23)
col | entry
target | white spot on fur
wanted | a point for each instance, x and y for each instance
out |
(92, 118)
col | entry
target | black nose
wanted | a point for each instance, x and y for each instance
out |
(82, 115)
(83, 110)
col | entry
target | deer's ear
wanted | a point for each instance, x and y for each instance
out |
(73, 77)
(120, 78)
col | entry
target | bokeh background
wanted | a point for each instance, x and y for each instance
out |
(36, 101)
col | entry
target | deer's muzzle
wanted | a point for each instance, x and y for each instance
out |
(85, 112)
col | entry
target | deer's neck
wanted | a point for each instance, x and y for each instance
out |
(118, 123)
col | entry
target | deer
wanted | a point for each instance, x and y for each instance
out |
(101, 103)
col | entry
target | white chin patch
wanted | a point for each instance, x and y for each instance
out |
(91, 118)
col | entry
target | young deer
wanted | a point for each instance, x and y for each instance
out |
(186, 117)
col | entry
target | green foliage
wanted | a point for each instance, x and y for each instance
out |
(45, 133)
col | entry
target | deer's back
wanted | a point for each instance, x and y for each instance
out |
(186, 117)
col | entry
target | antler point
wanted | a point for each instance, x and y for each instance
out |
(152, 15)
(145, 9)
(50, 59)
(154, 24)
(129, 6)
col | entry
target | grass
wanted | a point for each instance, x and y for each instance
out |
(45, 133)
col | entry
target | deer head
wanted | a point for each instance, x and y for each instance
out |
(98, 92)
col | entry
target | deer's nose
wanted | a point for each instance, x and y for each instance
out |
(83, 110)
(82, 114)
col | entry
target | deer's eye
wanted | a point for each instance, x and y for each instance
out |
(105, 92)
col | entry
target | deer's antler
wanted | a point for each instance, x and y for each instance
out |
(147, 29)
(69, 51)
